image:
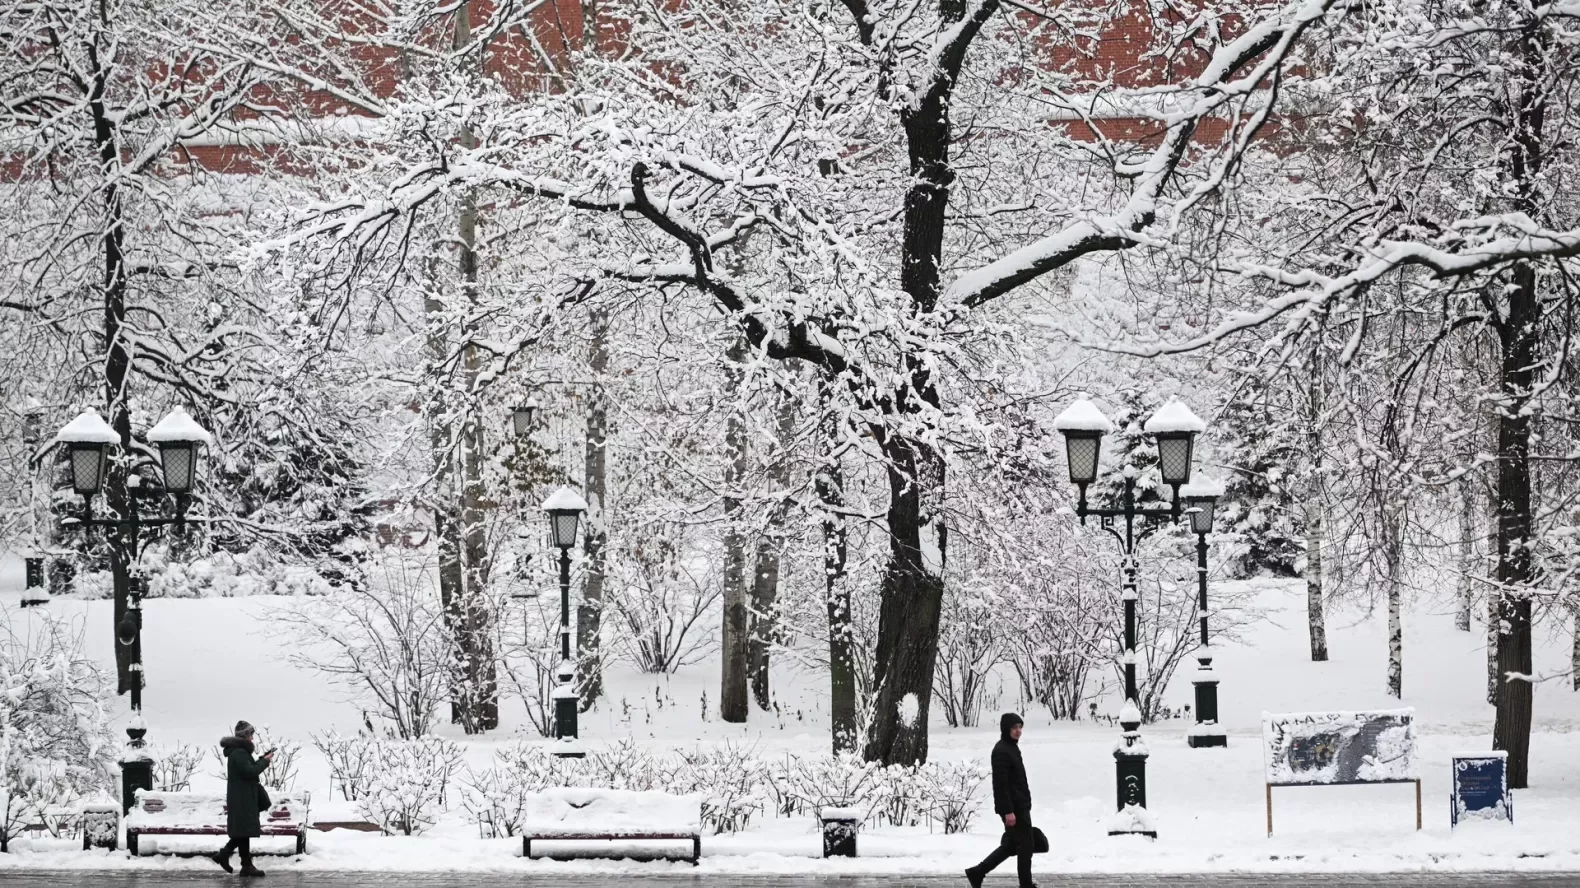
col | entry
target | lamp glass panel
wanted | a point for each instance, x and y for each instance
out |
(1174, 458)
(87, 468)
(522, 417)
(564, 527)
(180, 461)
(1201, 518)
(1081, 454)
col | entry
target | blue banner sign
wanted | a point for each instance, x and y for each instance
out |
(1481, 788)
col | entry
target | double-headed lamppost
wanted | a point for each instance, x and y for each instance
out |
(1201, 500)
(565, 508)
(87, 440)
(1175, 429)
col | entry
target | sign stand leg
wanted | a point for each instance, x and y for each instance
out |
(1418, 804)
(1269, 810)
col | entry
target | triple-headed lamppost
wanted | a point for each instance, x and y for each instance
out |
(1175, 429)
(87, 440)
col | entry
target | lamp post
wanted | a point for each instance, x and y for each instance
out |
(1201, 500)
(565, 508)
(1174, 427)
(87, 440)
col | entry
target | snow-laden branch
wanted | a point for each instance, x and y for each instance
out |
(1217, 86)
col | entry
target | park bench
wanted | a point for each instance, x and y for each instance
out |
(612, 815)
(194, 814)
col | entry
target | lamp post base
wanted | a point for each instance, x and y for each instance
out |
(1130, 786)
(1207, 738)
(566, 705)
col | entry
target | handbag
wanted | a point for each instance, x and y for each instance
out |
(1039, 841)
(263, 799)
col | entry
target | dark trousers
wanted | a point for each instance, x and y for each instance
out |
(1017, 844)
(243, 844)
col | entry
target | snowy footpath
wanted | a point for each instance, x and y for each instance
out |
(1208, 804)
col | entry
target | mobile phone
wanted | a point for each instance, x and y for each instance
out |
(270, 751)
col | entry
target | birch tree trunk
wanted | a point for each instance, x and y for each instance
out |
(1316, 625)
(732, 690)
(1467, 554)
(589, 613)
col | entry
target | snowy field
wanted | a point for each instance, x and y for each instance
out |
(213, 661)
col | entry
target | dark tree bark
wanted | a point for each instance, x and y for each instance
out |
(732, 691)
(830, 484)
(1518, 332)
(118, 360)
(765, 580)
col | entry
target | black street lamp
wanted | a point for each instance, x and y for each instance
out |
(87, 440)
(521, 417)
(1201, 501)
(1175, 428)
(565, 508)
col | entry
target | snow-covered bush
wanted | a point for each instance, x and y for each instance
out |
(731, 780)
(949, 792)
(541, 770)
(385, 640)
(281, 774)
(174, 766)
(802, 784)
(350, 762)
(899, 798)
(56, 747)
(496, 800)
(625, 765)
(409, 783)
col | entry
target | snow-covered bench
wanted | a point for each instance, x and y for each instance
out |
(193, 814)
(612, 815)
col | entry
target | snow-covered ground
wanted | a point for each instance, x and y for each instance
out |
(213, 661)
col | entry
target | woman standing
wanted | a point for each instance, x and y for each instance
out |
(245, 797)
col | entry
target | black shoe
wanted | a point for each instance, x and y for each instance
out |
(974, 878)
(248, 871)
(223, 859)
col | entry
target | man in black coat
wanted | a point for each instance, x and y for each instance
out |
(245, 797)
(1012, 802)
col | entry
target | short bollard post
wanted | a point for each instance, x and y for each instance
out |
(839, 831)
(101, 826)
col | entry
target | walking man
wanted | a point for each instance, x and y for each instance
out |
(245, 798)
(1012, 802)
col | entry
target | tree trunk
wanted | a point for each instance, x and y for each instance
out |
(732, 690)
(1316, 509)
(1315, 622)
(1467, 554)
(122, 542)
(1574, 652)
(912, 597)
(1513, 695)
(830, 484)
(479, 703)
(1392, 520)
(589, 614)
(1494, 622)
(1518, 330)
(765, 580)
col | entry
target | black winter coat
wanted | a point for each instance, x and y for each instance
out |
(242, 789)
(1011, 795)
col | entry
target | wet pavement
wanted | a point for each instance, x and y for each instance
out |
(287, 879)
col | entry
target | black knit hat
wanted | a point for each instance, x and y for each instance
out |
(244, 728)
(1009, 721)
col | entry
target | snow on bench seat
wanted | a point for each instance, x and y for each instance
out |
(196, 814)
(612, 814)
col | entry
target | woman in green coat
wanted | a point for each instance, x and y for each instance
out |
(245, 797)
